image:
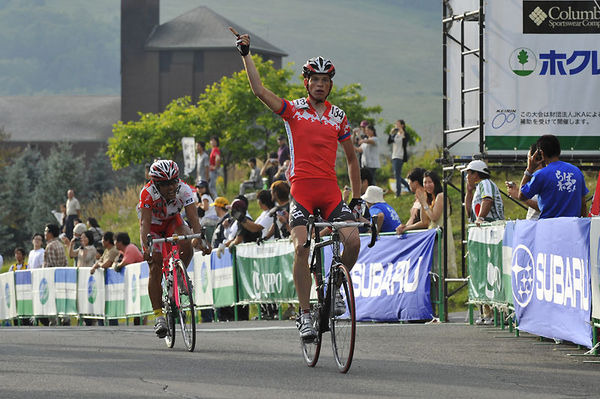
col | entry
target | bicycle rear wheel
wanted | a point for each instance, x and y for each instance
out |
(186, 307)
(343, 326)
(312, 349)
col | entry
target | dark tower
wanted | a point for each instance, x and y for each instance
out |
(139, 79)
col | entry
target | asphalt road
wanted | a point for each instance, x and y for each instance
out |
(262, 359)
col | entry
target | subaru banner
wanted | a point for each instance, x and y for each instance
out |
(391, 280)
(595, 265)
(551, 278)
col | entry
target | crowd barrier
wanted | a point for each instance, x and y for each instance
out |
(392, 282)
(545, 273)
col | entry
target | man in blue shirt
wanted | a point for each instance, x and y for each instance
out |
(386, 216)
(559, 185)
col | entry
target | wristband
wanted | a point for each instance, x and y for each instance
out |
(528, 173)
(426, 207)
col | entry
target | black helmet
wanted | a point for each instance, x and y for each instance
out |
(318, 65)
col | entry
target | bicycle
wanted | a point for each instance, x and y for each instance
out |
(324, 315)
(178, 299)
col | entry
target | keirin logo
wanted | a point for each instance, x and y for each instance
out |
(523, 269)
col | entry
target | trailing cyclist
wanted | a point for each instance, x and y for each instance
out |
(314, 128)
(161, 201)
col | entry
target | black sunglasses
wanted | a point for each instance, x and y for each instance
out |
(164, 183)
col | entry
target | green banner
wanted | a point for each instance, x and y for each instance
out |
(487, 282)
(265, 272)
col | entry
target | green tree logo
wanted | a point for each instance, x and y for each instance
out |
(44, 291)
(204, 276)
(92, 291)
(523, 61)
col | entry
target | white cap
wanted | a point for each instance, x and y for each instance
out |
(373, 195)
(478, 166)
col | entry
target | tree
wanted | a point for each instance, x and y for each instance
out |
(61, 172)
(102, 177)
(227, 109)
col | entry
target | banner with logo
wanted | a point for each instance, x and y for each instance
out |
(189, 154)
(543, 74)
(115, 293)
(551, 278)
(507, 250)
(595, 265)
(23, 293)
(265, 272)
(136, 289)
(8, 303)
(203, 289)
(90, 292)
(65, 284)
(43, 292)
(391, 280)
(222, 278)
(485, 253)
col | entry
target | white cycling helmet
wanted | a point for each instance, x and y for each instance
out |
(163, 170)
(318, 65)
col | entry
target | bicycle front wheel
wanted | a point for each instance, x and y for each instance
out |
(187, 309)
(168, 312)
(342, 317)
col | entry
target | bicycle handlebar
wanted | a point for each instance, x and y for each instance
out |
(338, 225)
(173, 238)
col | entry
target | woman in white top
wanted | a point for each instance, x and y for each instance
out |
(86, 254)
(36, 255)
(370, 151)
(206, 213)
(432, 203)
(418, 219)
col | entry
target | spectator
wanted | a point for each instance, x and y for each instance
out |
(270, 168)
(54, 255)
(86, 253)
(483, 202)
(366, 180)
(202, 162)
(222, 228)
(370, 151)
(110, 254)
(432, 203)
(399, 140)
(386, 216)
(36, 255)
(76, 240)
(417, 219)
(214, 164)
(283, 151)
(73, 211)
(19, 260)
(207, 214)
(254, 182)
(560, 186)
(282, 171)
(533, 210)
(94, 227)
(280, 193)
(128, 252)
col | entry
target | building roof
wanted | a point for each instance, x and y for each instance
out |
(59, 118)
(202, 28)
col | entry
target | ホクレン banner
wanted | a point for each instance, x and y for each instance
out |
(487, 281)
(391, 280)
(265, 272)
(65, 285)
(551, 278)
(43, 292)
(115, 293)
(8, 303)
(90, 291)
(203, 295)
(543, 74)
(222, 278)
(136, 289)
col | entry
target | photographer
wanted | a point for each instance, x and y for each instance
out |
(270, 168)
(399, 140)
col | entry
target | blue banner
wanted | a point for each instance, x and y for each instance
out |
(551, 278)
(391, 280)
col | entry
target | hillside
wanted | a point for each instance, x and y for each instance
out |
(393, 48)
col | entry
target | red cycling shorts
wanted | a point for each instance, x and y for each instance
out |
(308, 195)
(165, 229)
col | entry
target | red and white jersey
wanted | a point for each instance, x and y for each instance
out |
(313, 140)
(162, 210)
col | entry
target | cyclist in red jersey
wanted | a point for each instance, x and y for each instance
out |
(161, 201)
(314, 128)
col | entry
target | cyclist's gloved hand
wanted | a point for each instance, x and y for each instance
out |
(244, 49)
(356, 206)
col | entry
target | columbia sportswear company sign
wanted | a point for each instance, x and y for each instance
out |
(561, 17)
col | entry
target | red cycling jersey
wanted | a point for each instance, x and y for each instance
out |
(313, 140)
(165, 213)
